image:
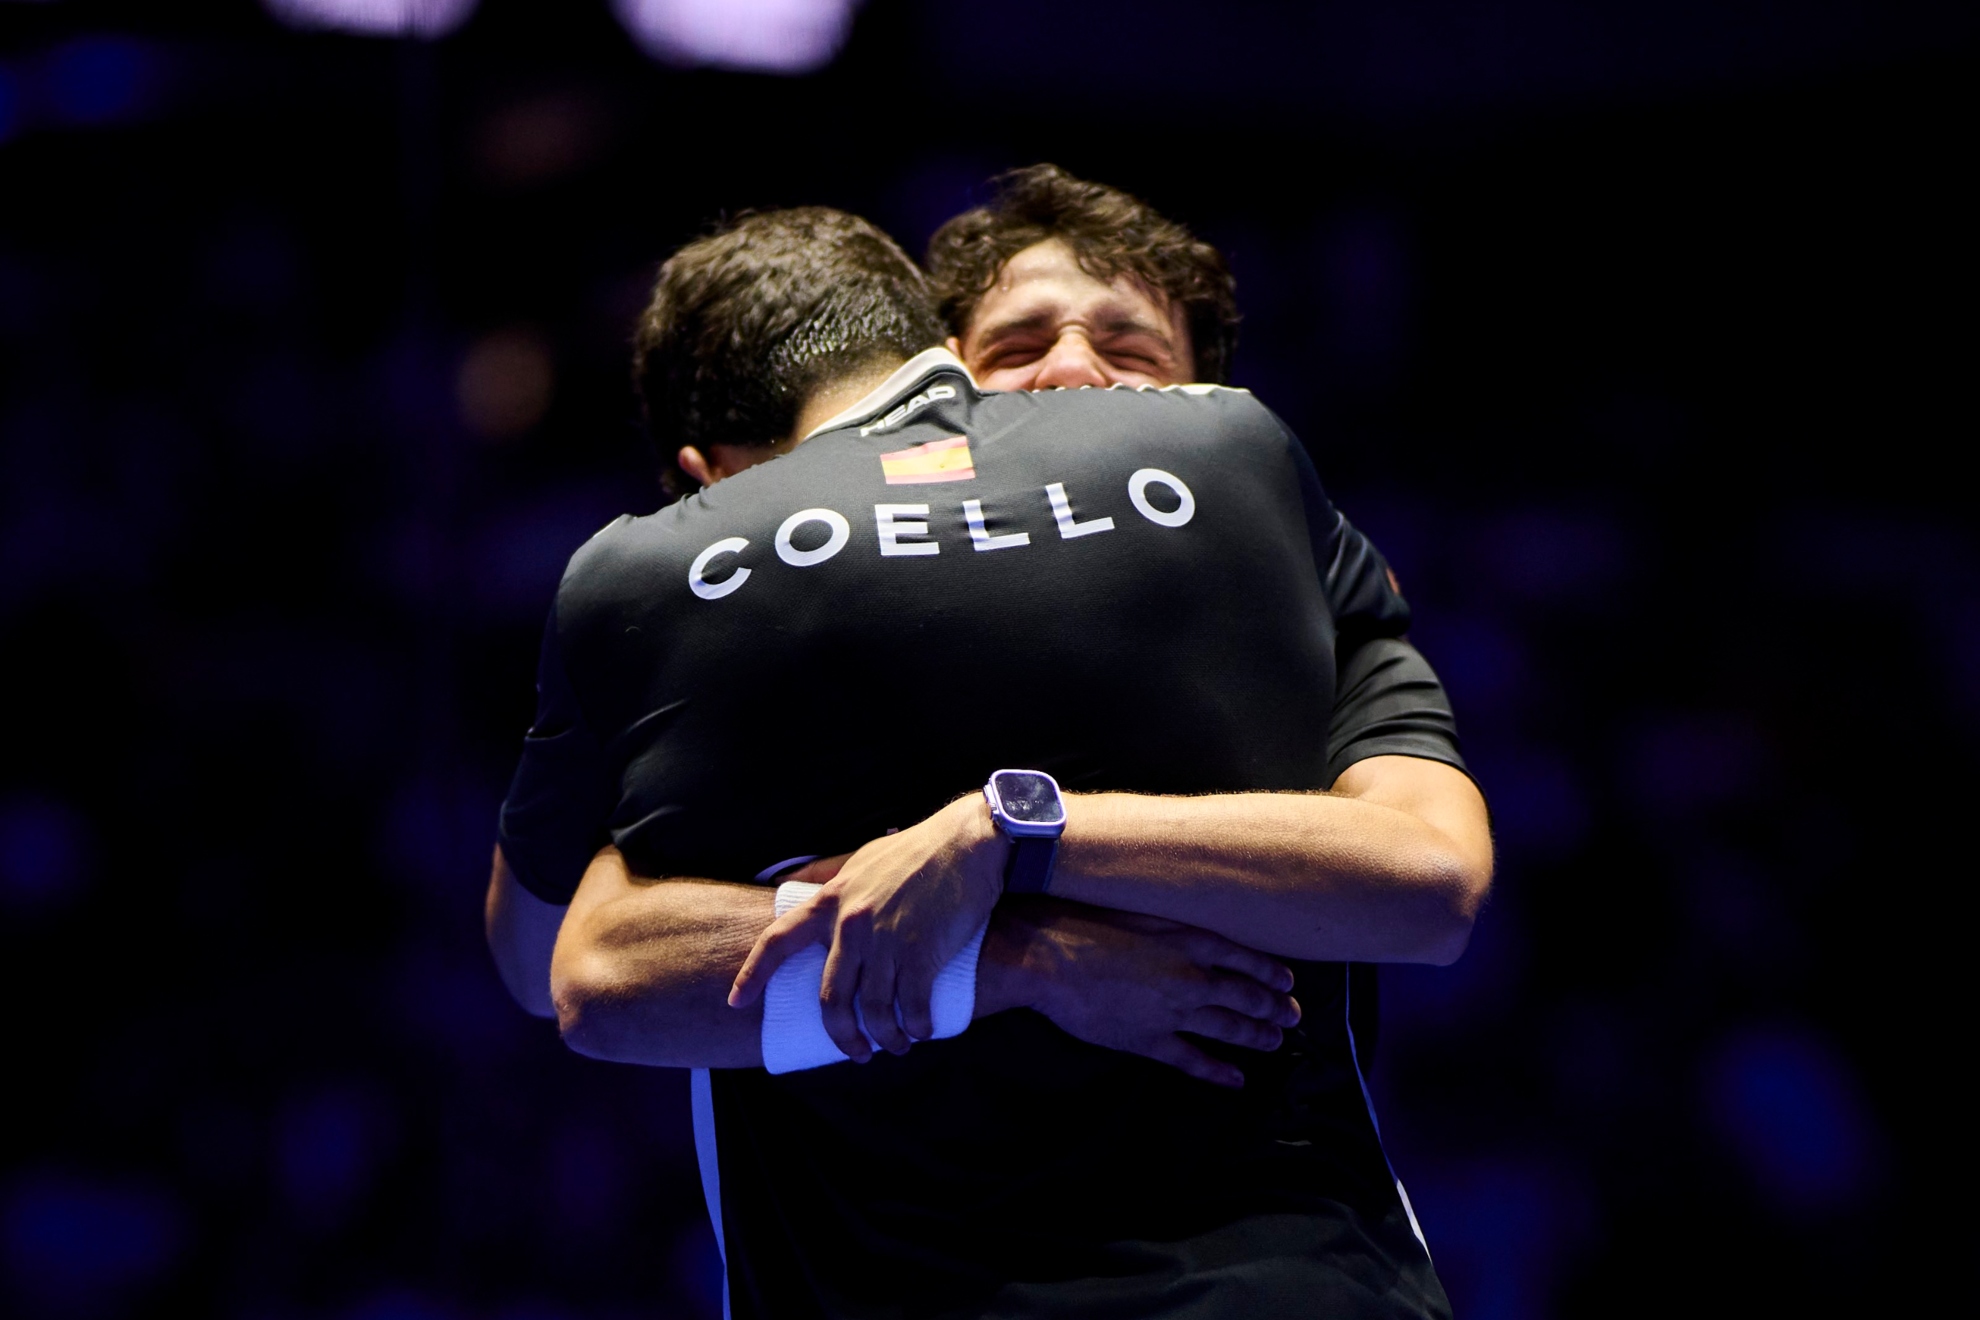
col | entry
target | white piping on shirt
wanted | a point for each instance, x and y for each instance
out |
(877, 399)
(1347, 1020)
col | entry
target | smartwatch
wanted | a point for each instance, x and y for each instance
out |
(1027, 809)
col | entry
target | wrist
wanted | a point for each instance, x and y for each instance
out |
(983, 845)
(1006, 970)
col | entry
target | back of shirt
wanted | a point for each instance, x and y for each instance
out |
(1135, 591)
(1118, 588)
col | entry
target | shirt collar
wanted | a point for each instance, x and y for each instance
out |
(924, 363)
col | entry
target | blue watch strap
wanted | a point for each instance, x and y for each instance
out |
(1029, 867)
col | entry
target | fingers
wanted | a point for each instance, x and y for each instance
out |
(1234, 1028)
(1179, 1053)
(1216, 951)
(1148, 925)
(807, 924)
(839, 989)
(820, 870)
(876, 1002)
(915, 993)
(1242, 994)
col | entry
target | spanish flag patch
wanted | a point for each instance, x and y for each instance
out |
(938, 460)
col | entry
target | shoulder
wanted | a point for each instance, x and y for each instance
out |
(1201, 410)
(610, 545)
(1238, 409)
(1231, 412)
(611, 563)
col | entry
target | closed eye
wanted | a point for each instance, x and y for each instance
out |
(1140, 353)
(1012, 353)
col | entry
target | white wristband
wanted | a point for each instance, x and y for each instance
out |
(794, 1021)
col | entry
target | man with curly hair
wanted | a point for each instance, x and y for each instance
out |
(1064, 283)
(1061, 283)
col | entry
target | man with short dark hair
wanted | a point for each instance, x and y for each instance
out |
(673, 789)
(708, 417)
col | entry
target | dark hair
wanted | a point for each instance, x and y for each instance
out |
(746, 323)
(1111, 234)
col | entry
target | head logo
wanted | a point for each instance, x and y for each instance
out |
(939, 460)
(933, 394)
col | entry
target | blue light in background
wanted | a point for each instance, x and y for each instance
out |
(1482, 661)
(517, 557)
(1538, 804)
(1423, 1003)
(934, 188)
(1685, 762)
(10, 103)
(102, 80)
(1785, 1101)
(396, 1303)
(588, 1183)
(534, 1309)
(45, 852)
(329, 1145)
(1501, 1230)
(1555, 556)
(1366, 281)
(78, 1243)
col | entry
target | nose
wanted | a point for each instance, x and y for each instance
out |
(1073, 362)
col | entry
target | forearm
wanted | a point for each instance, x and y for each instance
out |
(643, 970)
(522, 931)
(642, 974)
(1009, 967)
(1316, 876)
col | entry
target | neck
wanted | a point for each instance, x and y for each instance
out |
(828, 401)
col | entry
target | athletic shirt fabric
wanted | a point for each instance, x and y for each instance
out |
(1142, 591)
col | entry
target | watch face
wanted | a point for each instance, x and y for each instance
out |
(1029, 798)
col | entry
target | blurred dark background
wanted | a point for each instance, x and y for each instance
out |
(1639, 335)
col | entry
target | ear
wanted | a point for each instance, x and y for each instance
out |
(696, 465)
(953, 344)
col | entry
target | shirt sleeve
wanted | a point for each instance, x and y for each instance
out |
(553, 820)
(1360, 589)
(1389, 702)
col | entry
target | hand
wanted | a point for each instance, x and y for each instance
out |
(1134, 983)
(892, 916)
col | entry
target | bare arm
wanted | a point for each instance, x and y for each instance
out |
(1393, 865)
(521, 929)
(643, 968)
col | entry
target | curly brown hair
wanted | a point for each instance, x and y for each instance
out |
(1110, 232)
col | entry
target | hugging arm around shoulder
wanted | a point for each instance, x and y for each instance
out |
(1392, 865)
(1396, 874)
